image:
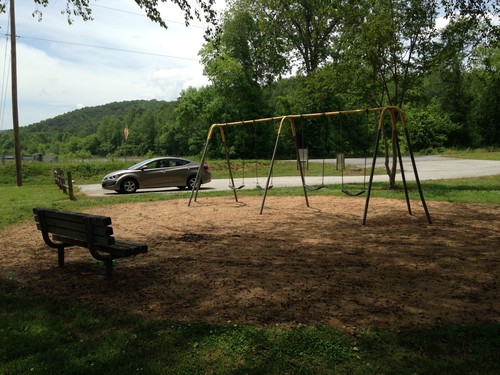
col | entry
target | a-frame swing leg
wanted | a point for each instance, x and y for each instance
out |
(274, 157)
(299, 163)
(370, 181)
(403, 177)
(417, 179)
(419, 186)
(194, 191)
(226, 151)
(269, 175)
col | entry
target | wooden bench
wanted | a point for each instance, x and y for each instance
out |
(61, 229)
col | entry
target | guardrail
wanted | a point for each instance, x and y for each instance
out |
(34, 157)
(64, 183)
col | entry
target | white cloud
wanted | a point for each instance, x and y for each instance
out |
(442, 22)
(59, 70)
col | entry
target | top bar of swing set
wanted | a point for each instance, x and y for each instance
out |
(382, 110)
(281, 118)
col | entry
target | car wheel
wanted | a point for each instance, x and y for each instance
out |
(129, 185)
(191, 181)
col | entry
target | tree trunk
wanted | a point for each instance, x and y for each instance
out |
(391, 165)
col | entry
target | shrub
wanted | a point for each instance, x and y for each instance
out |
(429, 127)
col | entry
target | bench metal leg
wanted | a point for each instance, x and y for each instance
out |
(60, 256)
(109, 268)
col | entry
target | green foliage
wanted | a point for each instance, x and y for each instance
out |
(36, 172)
(429, 127)
(31, 172)
(345, 57)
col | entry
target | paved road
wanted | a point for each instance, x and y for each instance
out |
(428, 167)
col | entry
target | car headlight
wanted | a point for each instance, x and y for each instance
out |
(113, 176)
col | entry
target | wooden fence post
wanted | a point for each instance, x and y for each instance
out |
(70, 188)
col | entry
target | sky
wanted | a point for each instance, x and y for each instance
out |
(120, 55)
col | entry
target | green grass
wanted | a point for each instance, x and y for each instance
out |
(260, 168)
(478, 154)
(44, 335)
(16, 202)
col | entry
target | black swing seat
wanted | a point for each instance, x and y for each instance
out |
(232, 187)
(314, 188)
(263, 188)
(347, 192)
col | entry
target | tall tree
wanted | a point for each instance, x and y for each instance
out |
(298, 30)
(392, 44)
(236, 65)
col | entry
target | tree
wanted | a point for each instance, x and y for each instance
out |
(143, 132)
(484, 81)
(431, 126)
(390, 45)
(110, 135)
(83, 9)
(299, 31)
(195, 113)
(236, 64)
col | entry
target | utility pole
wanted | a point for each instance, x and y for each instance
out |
(15, 112)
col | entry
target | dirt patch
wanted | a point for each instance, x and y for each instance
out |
(221, 261)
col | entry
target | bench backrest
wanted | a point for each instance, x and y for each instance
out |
(78, 227)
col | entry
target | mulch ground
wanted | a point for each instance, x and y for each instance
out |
(221, 261)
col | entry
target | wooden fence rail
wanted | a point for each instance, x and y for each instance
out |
(64, 183)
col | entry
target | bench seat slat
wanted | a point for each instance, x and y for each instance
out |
(123, 248)
(57, 223)
(77, 217)
(119, 249)
(80, 237)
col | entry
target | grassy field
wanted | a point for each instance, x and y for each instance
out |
(41, 335)
(478, 154)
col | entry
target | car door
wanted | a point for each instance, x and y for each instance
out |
(153, 174)
(177, 173)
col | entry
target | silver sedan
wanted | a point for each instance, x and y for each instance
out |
(156, 173)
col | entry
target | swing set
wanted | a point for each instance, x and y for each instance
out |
(232, 184)
(396, 116)
(345, 188)
(305, 151)
(340, 154)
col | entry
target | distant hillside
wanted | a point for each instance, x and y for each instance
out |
(82, 122)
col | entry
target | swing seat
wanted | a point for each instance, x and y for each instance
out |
(314, 188)
(232, 187)
(347, 192)
(263, 188)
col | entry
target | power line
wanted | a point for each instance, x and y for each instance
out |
(113, 48)
(106, 48)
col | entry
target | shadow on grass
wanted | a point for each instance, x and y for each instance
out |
(45, 335)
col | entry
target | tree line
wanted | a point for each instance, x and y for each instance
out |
(275, 57)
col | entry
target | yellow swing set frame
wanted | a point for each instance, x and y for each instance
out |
(396, 117)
